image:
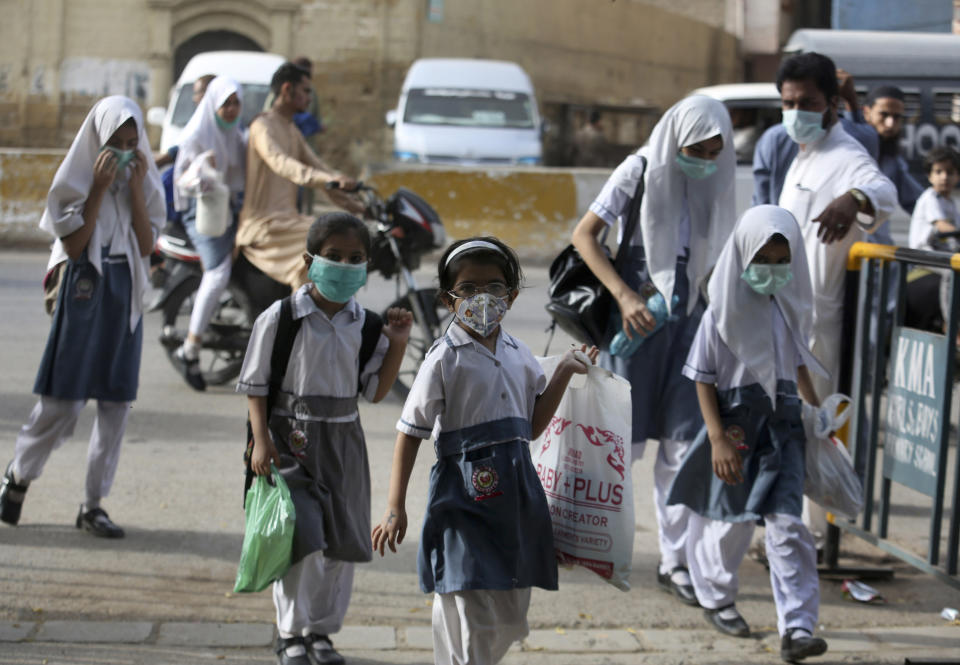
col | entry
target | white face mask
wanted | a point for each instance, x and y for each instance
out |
(482, 312)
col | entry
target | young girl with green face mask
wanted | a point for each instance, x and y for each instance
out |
(749, 362)
(314, 435)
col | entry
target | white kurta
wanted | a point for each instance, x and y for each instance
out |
(820, 173)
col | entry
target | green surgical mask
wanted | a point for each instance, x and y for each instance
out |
(767, 278)
(695, 167)
(224, 125)
(124, 157)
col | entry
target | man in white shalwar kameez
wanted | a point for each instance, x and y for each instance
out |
(838, 194)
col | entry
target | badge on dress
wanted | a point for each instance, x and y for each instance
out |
(485, 481)
(298, 443)
(83, 289)
(736, 434)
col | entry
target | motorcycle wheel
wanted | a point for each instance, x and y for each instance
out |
(422, 335)
(224, 342)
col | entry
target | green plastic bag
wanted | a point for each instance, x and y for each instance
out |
(268, 533)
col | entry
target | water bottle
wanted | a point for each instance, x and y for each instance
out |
(624, 347)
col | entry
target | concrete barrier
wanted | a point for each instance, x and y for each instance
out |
(25, 177)
(533, 210)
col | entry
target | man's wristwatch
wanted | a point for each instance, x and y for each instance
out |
(862, 201)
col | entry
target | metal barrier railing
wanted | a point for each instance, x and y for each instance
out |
(909, 407)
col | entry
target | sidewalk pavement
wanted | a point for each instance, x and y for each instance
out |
(122, 642)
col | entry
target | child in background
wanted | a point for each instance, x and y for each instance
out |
(314, 434)
(935, 212)
(749, 360)
(106, 208)
(487, 536)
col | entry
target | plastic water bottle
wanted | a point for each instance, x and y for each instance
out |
(624, 347)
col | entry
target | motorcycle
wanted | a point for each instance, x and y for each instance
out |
(405, 228)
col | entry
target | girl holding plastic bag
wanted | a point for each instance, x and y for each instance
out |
(487, 536)
(687, 212)
(749, 360)
(209, 177)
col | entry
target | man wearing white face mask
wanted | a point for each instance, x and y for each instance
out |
(838, 194)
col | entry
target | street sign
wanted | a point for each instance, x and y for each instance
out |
(915, 401)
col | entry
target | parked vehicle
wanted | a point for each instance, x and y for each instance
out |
(466, 111)
(406, 227)
(251, 69)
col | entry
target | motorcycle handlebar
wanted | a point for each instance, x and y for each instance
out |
(335, 184)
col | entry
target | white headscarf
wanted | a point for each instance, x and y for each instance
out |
(710, 201)
(202, 133)
(71, 186)
(742, 314)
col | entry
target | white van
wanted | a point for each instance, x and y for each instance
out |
(463, 111)
(251, 69)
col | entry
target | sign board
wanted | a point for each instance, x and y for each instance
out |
(435, 11)
(916, 397)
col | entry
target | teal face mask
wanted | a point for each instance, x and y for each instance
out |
(336, 281)
(765, 278)
(223, 124)
(124, 157)
(695, 167)
(804, 127)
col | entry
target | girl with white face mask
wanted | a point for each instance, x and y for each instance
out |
(105, 208)
(686, 213)
(214, 133)
(487, 536)
(749, 361)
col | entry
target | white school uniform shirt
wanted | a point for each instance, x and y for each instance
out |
(613, 203)
(461, 384)
(324, 356)
(711, 361)
(820, 173)
(929, 208)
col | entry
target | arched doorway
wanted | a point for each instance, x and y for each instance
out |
(211, 40)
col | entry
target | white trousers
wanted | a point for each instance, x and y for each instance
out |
(313, 596)
(52, 421)
(793, 566)
(477, 627)
(212, 284)
(671, 520)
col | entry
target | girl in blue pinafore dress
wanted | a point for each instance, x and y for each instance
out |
(686, 214)
(213, 128)
(105, 207)
(486, 534)
(748, 361)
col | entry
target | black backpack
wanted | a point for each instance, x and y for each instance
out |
(287, 329)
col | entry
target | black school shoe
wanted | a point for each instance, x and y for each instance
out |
(97, 522)
(683, 592)
(281, 649)
(734, 627)
(190, 369)
(797, 648)
(11, 497)
(321, 650)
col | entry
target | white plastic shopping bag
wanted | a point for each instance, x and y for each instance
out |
(583, 460)
(202, 181)
(830, 479)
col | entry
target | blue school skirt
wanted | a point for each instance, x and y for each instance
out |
(212, 249)
(487, 523)
(664, 401)
(91, 353)
(773, 443)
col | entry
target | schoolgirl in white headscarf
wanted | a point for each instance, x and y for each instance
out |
(749, 360)
(105, 207)
(212, 131)
(687, 210)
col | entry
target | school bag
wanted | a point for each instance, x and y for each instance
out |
(287, 329)
(579, 303)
